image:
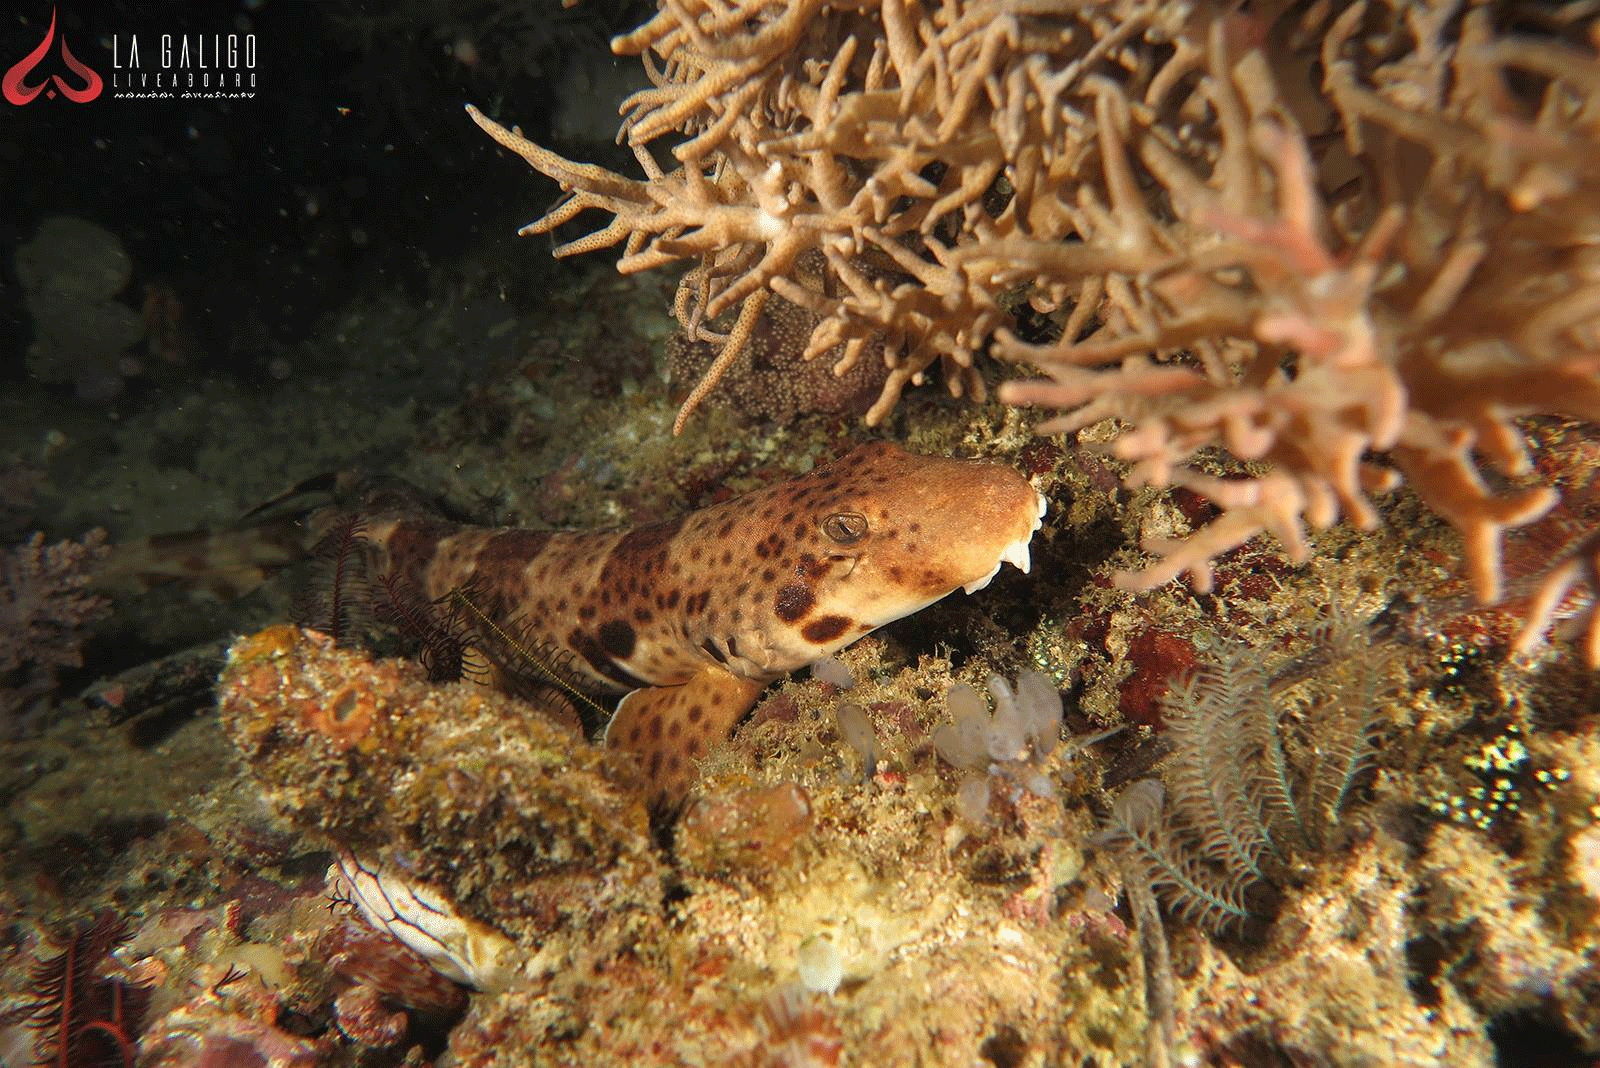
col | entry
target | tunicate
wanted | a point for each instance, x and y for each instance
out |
(858, 734)
(962, 741)
(832, 670)
(820, 965)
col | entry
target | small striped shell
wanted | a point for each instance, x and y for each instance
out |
(458, 948)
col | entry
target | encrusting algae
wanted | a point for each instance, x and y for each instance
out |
(516, 817)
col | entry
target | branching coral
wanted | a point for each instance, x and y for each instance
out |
(879, 135)
(1349, 296)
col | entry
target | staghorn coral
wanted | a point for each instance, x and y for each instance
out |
(876, 136)
(1349, 292)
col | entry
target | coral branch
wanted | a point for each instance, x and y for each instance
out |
(1379, 310)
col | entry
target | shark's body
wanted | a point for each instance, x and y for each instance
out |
(693, 617)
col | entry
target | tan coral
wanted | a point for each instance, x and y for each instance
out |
(1339, 322)
(881, 136)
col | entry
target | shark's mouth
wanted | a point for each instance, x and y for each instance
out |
(1015, 554)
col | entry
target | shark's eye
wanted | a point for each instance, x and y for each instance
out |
(846, 528)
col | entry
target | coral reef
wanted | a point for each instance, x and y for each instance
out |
(801, 908)
(758, 882)
(45, 610)
(882, 865)
(1244, 797)
(888, 929)
(858, 135)
(512, 815)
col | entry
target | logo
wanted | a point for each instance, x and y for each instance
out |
(215, 66)
(146, 63)
(14, 86)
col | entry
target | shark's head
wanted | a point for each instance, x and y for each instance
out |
(873, 536)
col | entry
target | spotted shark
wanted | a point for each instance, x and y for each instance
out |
(691, 618)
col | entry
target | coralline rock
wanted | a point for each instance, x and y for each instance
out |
(774, 380)
(46, 611)
(1501, 943)
(752, 831)
(365, 956)
(514, 817)
(788, 874)
(1332, 983)
(190, 1040)
(922, 937)
(364, 1018)
(1586, 860)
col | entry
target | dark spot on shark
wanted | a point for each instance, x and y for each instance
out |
(617, 639)
(597, 658)
(825, 629)
(794, 600)
(510, 550)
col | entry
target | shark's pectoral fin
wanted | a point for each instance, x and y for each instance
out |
(669, 728)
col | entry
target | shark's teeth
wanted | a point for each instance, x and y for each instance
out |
(1016, 554)
(979, 583)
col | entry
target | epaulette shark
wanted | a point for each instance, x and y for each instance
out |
(691, 618)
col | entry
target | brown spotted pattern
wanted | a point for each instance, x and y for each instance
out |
(746, 590)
